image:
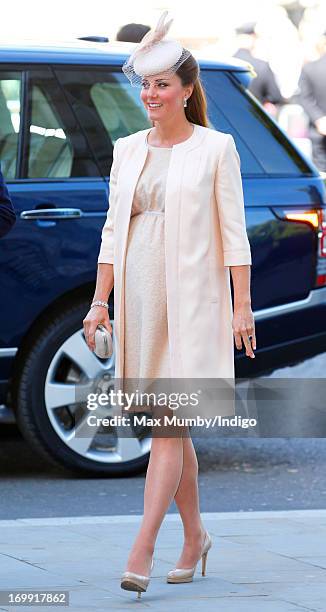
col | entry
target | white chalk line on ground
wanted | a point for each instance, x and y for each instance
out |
(169, 518)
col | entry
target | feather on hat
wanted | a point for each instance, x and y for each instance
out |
(153, 36)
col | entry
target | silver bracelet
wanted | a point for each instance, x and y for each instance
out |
(99, 303)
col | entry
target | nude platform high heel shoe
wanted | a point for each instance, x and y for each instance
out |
(186, 575)
(135, 582)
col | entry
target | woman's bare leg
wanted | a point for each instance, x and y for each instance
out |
(162, 481)
(187, 500)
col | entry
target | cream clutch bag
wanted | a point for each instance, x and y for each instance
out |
(103, 342)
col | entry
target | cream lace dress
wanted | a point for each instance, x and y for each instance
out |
(146, 350)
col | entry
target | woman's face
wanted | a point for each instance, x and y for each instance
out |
(167, 92)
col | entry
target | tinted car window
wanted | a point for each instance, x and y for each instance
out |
(106, 106)
(10, 92)
(56, 147)
(261, 144)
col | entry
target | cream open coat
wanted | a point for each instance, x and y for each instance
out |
(205, 233)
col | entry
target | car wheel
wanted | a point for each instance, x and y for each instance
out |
(56, 374)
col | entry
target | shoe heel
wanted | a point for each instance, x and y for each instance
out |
(203, 564)
(136, 582)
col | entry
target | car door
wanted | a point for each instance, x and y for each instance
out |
(56, 186)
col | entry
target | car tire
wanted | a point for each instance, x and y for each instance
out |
(30, 393)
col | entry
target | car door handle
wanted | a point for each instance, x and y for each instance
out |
(51, 213)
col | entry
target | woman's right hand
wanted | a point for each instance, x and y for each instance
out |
(95, 315)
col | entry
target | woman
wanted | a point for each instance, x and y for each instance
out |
(174, 228)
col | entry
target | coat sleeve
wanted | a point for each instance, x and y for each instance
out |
(106, 254)
(230, 203)
(307, 98)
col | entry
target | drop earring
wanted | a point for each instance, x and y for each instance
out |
(185, 102)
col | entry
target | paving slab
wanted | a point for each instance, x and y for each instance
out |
(259, 562)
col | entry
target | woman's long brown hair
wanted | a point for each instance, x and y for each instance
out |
(196, 109)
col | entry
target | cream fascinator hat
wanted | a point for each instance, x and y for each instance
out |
(155, 54)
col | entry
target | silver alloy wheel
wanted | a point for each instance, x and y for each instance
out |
(70, 378)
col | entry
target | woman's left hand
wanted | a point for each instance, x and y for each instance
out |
(243, 325)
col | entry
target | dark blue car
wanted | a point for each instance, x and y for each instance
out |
(61, 110)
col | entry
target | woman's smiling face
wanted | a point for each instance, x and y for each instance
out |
(167, 93)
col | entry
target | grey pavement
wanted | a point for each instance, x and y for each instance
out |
(259, 562)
